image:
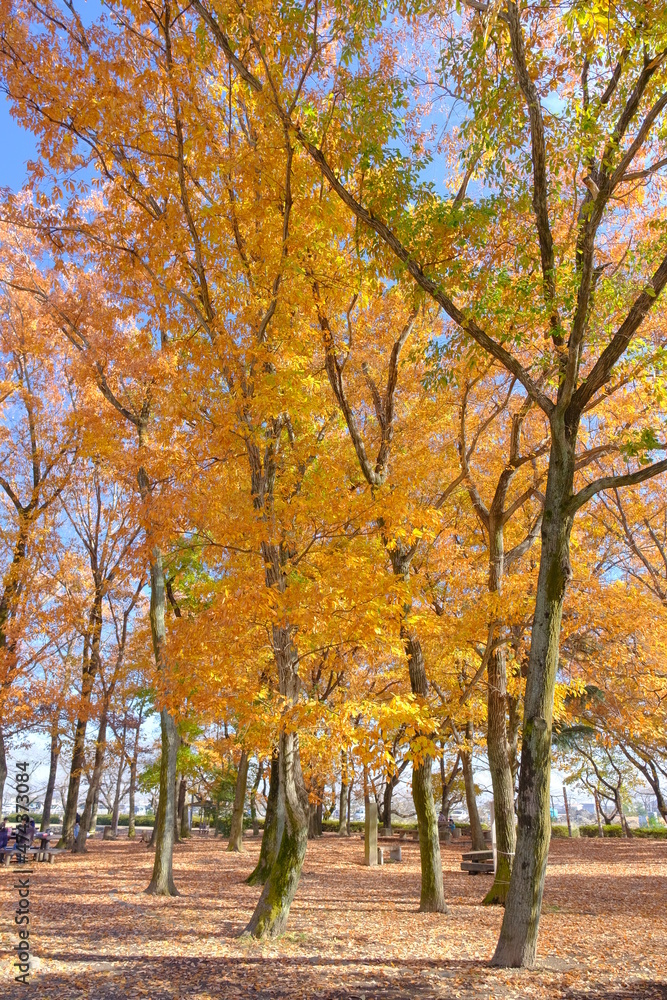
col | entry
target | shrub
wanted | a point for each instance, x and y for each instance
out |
(12, 817)
(105, 820)
(610, 830)
(651, 833)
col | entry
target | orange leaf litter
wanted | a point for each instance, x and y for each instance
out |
(354, 932)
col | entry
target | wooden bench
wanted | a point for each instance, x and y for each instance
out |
(50, 854)
(477, 862)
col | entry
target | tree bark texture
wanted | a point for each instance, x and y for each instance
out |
(342, 811)
(432, 898)
(79, 846)
(115, 813)
(271, 913)
(162, 880)
(476, 832)
(134, 764)
(253, 799)
(236, 832)
(53, 770)
(274, 824)
(3, 767)
(517, 945)
(90, 665)
(500, 766)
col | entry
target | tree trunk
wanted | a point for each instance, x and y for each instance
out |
(131, 822)
(79, 846)
(318, 816)
(253, 799)
(96, 809)
(619, 809)
(177, 825)
(236, 832)
(517, 945)
(642, 761)
(349, 807)
(342, 809)
(476, 832)
(3, 768)
(90, 663)
(180, 812)
(447, 784)
(162, 880)
(274, 823)
(596, 800)
(500, 766)
(386, 806)
(131, 832)
(53, 769)
(272, 910)
(567, 812)
(432, 899)
(185, 826)
(119, 782)
(312, 820)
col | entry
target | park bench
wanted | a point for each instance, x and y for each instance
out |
(477, 862)
(6, 854)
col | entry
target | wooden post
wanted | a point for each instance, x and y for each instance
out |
(567, 812)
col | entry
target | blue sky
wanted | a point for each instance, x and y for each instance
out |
(16, 147)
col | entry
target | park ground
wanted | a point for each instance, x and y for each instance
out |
(354, 932)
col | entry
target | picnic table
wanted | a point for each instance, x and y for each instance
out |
(477, 862)
(39, 850)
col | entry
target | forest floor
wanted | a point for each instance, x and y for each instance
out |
(354, 932)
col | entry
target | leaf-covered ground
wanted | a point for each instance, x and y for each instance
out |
(354, 932)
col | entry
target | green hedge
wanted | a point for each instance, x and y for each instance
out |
(610, 830)
(559, 830)
(358, 824)
(105, 820)
(11, 818)
(615, 830)
(651, 833)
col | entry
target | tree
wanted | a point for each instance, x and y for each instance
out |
(579, 304)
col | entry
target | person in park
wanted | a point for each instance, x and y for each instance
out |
(4, 835)
(77, 825)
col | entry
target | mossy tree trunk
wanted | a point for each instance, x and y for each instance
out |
(517, 944)
(162, 880)
(272, 911)
(274, 824)
(236, 832)
(432, 898)
(500, 767)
